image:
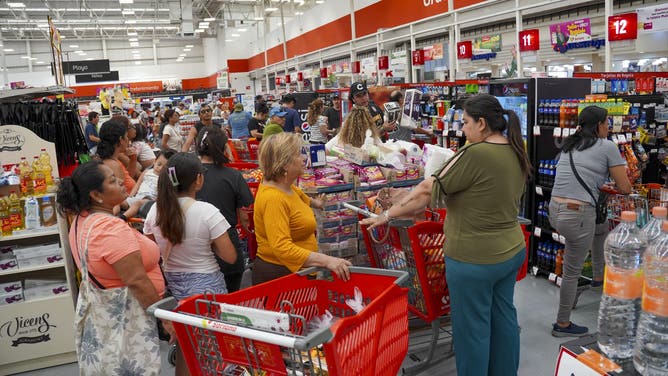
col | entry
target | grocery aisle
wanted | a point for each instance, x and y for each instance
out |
(536, 300)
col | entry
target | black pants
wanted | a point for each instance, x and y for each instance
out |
(233, 272)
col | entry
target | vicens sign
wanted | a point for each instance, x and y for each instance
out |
(10, 140)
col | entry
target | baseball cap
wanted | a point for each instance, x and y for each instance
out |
(277, 111)
(335, 95)
(357, 87)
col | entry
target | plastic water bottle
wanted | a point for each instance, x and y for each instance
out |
(652, 229)
(32, 213)
(650, 356)
(622, 289)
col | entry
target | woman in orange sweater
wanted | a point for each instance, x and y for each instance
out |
(284, 221)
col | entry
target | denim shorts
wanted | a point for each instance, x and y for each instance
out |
(182, 285)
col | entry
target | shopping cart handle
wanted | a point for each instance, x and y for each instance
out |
(168, 304)
(356, 207)
(400, 275)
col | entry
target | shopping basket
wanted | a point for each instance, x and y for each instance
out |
(371, 342)
(617, 203)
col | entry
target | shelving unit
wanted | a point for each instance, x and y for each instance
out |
(37, 333)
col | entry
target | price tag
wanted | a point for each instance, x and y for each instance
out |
(537, 231)
(534, 270)
(637, 135)
(539, 190)
(573, 130)
(558, 281)
(459, 133)
(629, 136)
(556, 133)
(615, 139)
(536, 130)
(555, 236)
(552, 277)
(562, 239)
(622, 139)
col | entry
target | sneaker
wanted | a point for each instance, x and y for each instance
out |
(597, 285)
(571, 330)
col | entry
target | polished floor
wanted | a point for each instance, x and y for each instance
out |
(536, 301)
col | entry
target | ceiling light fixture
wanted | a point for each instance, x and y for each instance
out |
(127, 12)
(134, 44)
(270, 9)
(319, 1)
(199, 31)
(183, 55)
(16, 5)
(229, 40)
(133, 39)
(25, 57)
(187, 49)
(189, 46)
(210, 19)
(89, 58)
(8, 49)
(78, 52)
(258, 19)
(43, 25)
(203, 25)
(235, 35)
(74, 46)
(299, 13)
(131, 33)
(130, 21)
(39, 62)
(125, 1)
(137, 62)
(134, 52)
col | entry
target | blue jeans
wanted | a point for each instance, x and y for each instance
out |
(484, 320)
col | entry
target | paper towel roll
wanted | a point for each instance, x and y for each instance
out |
(434, 157)
(412, 149)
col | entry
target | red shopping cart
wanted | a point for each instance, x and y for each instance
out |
(264, 328)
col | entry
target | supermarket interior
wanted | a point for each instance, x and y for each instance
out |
(359, 138)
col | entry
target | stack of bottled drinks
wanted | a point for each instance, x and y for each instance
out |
(633, 315)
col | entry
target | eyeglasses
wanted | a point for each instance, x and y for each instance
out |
(206, 110)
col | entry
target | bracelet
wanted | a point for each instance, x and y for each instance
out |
(386, 214)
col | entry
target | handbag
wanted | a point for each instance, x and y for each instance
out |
(113, 333)
(601, 203)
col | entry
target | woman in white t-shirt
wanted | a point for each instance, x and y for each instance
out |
(171, 134)
(317, 123)
(188, 233)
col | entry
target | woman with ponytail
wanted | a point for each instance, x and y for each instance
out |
(187, 231)
(226, 189)
(482, 186)
(317, 123)
(573, 209)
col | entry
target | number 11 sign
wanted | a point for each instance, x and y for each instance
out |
(623, 27)
(529, 40)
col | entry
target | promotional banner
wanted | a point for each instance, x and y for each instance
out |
(570, 32)
(653, 18)
(145, 87)
(368, 66)
(398, 64)
(433, 52)
(172, 85)
(223, 80)
(487, 43)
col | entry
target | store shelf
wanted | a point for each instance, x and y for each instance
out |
(49, 231)
(367, 188)
(337, 188)
(405, 183)
(33, 268)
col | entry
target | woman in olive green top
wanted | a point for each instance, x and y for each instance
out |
(481, 186)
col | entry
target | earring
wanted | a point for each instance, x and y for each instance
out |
(99, 201)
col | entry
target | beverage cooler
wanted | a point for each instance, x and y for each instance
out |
(543, 105)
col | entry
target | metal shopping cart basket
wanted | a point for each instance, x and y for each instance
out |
(264, 328)
(617, 203)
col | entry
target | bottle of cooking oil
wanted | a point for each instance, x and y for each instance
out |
(5, 220)
(45, 162)
(25, 173)
(38, 178)
(15, 212)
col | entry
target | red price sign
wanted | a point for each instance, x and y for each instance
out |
(288, 79)
(384, 62)
(529, 40)
(418, 57)
(623, 27)
(464, 50)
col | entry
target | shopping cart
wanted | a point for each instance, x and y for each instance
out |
(264, 328)
(635, 202)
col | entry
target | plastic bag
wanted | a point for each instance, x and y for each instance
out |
(323, 321)
(357, 303)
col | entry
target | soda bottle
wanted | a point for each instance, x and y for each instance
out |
(650, 356)
(5, 218)
(558, 267)
(652, 229)
(31, 213)
(25, 172)
(620, 303)
(38, 178)
(563, 112)
(541, 112)
(15, 211)
(45, 162)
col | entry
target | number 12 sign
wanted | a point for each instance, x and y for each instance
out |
(623, 27)
(529, 40)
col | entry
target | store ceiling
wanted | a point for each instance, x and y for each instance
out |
(111, 19)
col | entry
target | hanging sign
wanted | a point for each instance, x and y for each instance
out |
(570, 32)
(383, 62)
(653, 18)
(623, 27)
(277, 80)
(323, 73)
(464, 50)
(96, 77)
(529, 40)
(288, 79)
(86, 66)
(300, 76)
(487, 44)
(418, 57)
(355, 67)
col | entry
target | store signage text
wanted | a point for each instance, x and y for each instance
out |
(529, 40)
(487, 56)
(25, 326)
(85, 67)
(11, 140)
(595, 43)
(464, 49)
(428, 3)
(96, 77)
(623, 27)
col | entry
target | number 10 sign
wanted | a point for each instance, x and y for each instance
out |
(623, 27)
(529, 40)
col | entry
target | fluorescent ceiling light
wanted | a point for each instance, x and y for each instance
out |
(89, 58)
(130, 21)
(199, 31)
(127, 11)
(134, 51)
(187, 49)
(242, 29)
(16, 5)
(189, 46)
(134, 44)
(33, 58)
(137, 62)
(229, 40)
(210, 19)
(270, 9)
(25, 57)
(183, 55)
(132, 33)
(258, 19)
(43, 25)
(74, 46)
(203, 25)
(39, 62)
(133, 39)
(78, 52)
(319, 1)
(235, 35)
(299, 13)
(125, 1)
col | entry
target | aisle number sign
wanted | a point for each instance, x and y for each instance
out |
(623, 26)
(529, 40)
(464, 50)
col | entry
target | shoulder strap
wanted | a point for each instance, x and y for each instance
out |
(184, 209)
(83, 257)
(577, 176)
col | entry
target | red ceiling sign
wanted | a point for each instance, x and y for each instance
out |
(287, 79)
(383, 62)
(300, 76)
(418, 57)
(529, 40)
(355, 67)
(623, 27)
(464, 50)
(323, 73)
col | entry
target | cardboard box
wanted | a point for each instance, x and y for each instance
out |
(10, 287)
(44, 291)
(11, 298)
(356, 155)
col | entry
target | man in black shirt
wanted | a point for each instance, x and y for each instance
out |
(360, 96)
(334, 113)
(256, 123)
(205, 119)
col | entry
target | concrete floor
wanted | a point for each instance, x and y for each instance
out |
(536, 301)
